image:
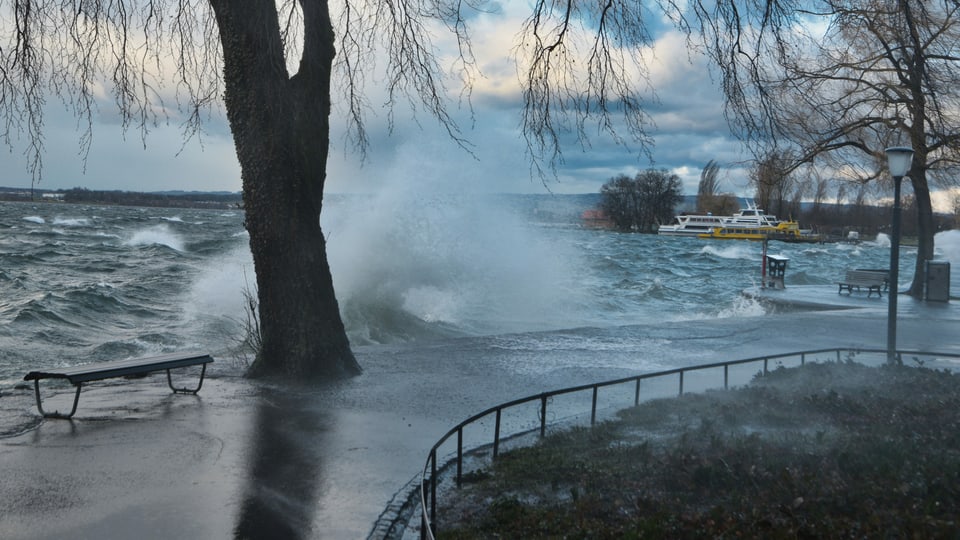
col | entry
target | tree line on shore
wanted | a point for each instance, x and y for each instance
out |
(127, 198)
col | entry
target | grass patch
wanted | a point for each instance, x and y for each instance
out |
(836, 450)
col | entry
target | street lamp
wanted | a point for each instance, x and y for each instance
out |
(899, 159)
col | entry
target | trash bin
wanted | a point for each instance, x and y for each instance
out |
(776, 270)
(937, 286)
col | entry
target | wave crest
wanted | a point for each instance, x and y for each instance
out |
(158, 235)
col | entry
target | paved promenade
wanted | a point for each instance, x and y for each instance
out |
(255, 461)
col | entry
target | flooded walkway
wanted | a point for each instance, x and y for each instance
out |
(246, 459)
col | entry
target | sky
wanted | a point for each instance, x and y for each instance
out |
(412, 152)
(689, 129)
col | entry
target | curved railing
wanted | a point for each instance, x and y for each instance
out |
(431, 470)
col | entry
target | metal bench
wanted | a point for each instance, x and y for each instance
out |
(873, 280)
(78, 375)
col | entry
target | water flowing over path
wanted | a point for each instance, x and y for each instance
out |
(323, 462)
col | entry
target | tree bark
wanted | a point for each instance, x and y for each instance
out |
(925, 233)
(919, 88)
(280, 126)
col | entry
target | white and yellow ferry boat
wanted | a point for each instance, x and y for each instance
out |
(787, 231)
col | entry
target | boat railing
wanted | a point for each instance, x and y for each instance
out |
(523, 421)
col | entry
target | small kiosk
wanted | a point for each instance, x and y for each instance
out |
(776, 268)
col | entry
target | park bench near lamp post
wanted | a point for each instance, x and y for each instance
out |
(78, 375)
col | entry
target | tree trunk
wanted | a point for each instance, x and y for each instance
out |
(925, 232)
(917, 86)
(280, 126)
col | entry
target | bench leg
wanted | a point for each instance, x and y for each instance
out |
(176, 390)
(56, 414)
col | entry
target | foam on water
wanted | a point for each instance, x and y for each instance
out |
(457, 260)
(743, 306)
(948, 246)
(158, 235)
(883, 240)
(432, 304)
(731, 250)
(35, 219)
(218, 289)
(71, 222)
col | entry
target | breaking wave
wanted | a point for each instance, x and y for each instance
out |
(159, 235)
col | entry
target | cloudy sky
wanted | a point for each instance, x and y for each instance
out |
(689, 129)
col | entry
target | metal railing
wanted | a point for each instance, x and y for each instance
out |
(431, 470)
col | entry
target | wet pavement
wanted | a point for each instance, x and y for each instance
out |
(251, 460)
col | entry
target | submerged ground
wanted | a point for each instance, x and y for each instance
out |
(835, 450)
(326, 462)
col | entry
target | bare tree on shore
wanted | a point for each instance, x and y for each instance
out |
(643, 202)
(837, 82)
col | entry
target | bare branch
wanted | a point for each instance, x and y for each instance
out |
(584, 65)
(81, 51)
(402, 30)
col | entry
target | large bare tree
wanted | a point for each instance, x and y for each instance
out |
(278, 66)
(837, 81)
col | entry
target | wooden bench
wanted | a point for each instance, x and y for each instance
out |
(78, 375)
(873, 280)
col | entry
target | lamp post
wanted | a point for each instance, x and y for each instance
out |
(898, 161)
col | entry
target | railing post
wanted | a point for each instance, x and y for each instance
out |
(681, 382)
(543, 415)
(636, 394)
(423, 517)
(765, 370)
(433, 492)
(726, 376)
(593, 408)
(460, 456)
(496, 435)
(803, 358)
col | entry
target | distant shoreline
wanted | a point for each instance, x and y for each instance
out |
(165, 199)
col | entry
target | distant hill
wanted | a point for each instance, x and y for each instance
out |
(175, 199)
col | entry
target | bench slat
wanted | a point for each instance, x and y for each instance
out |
(120, 368)
(865, 276)
(873, 280)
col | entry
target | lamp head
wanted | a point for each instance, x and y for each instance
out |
(898, 160)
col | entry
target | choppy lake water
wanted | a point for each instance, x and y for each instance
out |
(87, 283)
